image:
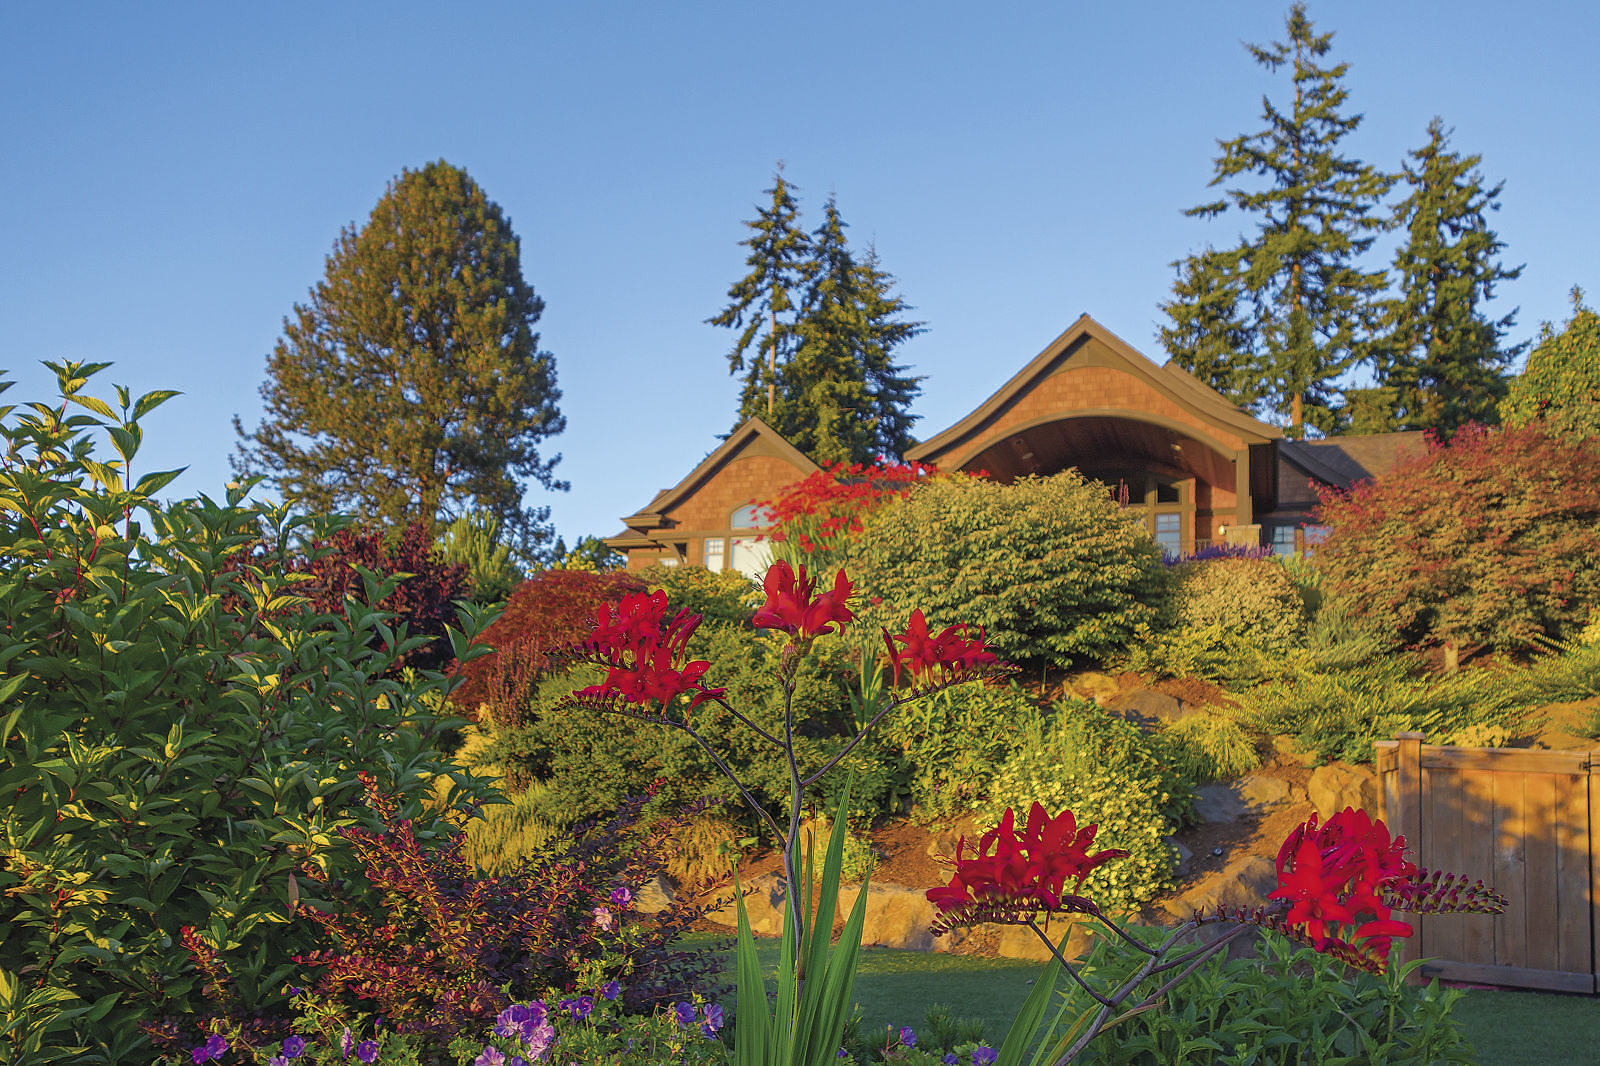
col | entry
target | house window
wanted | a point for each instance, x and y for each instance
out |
(1169, 533)
(751, 554)
(712, 553)
(1283, 540)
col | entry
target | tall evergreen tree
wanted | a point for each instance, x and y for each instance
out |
(838, 395)
(1307, 306)
(1560, 386)
(411, 387)
(1208, 334)
(762, 304)
(1442, 356)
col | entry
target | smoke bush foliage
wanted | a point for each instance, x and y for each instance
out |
(1493, 539)
(1051, 567)
(181, 734)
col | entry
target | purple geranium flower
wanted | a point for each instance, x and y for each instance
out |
(713, 1013)
(684, 1013)
(347, 1042)
(950, 1058)
(492, 1056)
(908, 1036)
(984, 1055)
(367, 1051)
(277, 1060)
(621, 896)
(293, 1047)
(611, 990)
(214, 1048)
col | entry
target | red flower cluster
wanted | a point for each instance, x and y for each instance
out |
(643, 652)
(1336, 873)
(826, 506)
(950, 655)
(1015, 876)
(793, 607)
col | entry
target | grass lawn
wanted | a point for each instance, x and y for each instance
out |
(896, 988)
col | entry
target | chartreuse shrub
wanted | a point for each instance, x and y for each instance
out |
(1210, 747)
(954, 743)
(1235, 619)
(1337, 714)
(181, 736)
(1051, 568)
(1287, 1006)
(724, 596)
(1108, 773)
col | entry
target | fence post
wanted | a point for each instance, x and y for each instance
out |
(1402, 807)
(1593, 843)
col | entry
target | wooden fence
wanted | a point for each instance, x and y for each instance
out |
(1527, 823)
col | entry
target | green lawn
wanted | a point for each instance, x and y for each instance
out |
(895, 987)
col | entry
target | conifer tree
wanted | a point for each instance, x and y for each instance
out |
(1560, 387)
(411, 386)
(762, 304)
(838, 395)
(1440, 354)
(1208, 335)
(1305, 304)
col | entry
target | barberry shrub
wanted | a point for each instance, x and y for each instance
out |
(1051, 568)
(550, 609)
(1491, 540)
(181, 733)
(423, 598)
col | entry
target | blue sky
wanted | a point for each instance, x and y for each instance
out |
(174, 175)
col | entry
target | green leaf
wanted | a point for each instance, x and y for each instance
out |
(99, 407)
(151, 400)
(153, 483)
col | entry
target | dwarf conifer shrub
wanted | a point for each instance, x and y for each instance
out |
(1235, 618)
(1109, 774)
(1051, 567)
(181, 731)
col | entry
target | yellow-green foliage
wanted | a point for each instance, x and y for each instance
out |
(954, 742)
(1051, 567)
(1254, 600)
(510, 832)
(859, 857)
(725, 596)
(1591, 632)
(1211, 747)
(1109, 774)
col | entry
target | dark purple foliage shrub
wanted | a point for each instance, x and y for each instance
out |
(435, 947)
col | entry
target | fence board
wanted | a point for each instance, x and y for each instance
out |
(1477, 858)
(1505, 760)
(1510, 870)
(1442, 936)
(1541, 876)
(1572, 874)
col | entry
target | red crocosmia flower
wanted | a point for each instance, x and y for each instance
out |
(1336, 873)
(793, 606)
(950, 655)
(643, 653)
(1014, 876)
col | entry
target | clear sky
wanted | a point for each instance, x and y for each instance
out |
(173, 175)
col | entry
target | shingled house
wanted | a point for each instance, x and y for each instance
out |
(1202, 470)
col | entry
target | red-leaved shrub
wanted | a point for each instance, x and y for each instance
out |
(550, 609)
(816, 515)
(1492, 539)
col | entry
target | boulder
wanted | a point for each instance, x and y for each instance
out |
(897, 916)
(1243, 884)
(1263, 791)
(1148, 707)
(654, 896)
(1219, 803)
(1020, 942)
(942, 843)
(1185, 855)
(1092, 686)
(1336, 786)
(763, 903)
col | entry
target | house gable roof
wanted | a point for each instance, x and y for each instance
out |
(1169, 379)
(754, 437)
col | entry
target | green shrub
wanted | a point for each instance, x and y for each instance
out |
(1337, 714)
(1235, 620)
(1210, 747)
(508, 834)
(1110, 774)
(726, 596)
(1051, 567)
(953, 743)
(182, 737)
(1285, 1007)
(473, 541)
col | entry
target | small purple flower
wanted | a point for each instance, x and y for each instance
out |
(214, 1048)
(842, 1053)
(611, 990)
(713, 1013)
(367, 1051)
(984, 1055)
(492, 1056)
(621, 896)
(277, 1060)
(950, 1058)
(537, 1039)
(603, 919)
(579, 1007)
(347, 1042)
(908, 1036)
(517, 1060)
(683, 1011)
(293, 1047)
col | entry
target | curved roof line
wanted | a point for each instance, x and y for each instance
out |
(652, 516)
(1147, 417)
(1169, 378)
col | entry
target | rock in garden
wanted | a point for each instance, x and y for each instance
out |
(763, 904)
(1092, 686)
(1219, 804)
(1336, 786)
(1185, 855)
(897, 916)
(1244, 883)
(1020, 942)
(1148, 707)
(654, 896)
(1263, 791)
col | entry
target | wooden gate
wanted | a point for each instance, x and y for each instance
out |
(1525, 822)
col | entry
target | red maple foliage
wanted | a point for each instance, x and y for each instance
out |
(821, 511)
